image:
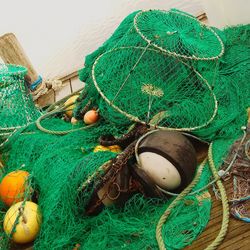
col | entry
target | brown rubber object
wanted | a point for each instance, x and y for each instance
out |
(177, 149)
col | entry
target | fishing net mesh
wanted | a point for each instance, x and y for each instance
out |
(154, 57)
(16, 106)
(167, 90)
(64, 169)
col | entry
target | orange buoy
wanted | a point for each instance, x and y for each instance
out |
(91, 117)
(12, 187)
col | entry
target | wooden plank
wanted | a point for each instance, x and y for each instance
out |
(47, 99)
(202, 17)
(64, 91)
(238, 232)
(12, 52)
(69, 76)
(76, 84)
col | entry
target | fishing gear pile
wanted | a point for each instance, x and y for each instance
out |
(78, 164)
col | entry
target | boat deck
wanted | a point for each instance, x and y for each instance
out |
(238, 235)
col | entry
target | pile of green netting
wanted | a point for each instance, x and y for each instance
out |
(60, 164)
(153, 56)
(17, 109)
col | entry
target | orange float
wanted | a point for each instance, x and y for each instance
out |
(91, 117)
(12, 187)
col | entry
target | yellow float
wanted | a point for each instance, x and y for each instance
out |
(28, 222)
(70, 105)
(113, 148)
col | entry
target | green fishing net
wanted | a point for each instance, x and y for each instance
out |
(167, 82)
(17, 109)
(178, 34)
(154, 57)
(167, 90)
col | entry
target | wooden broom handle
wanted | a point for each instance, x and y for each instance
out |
(12, 52)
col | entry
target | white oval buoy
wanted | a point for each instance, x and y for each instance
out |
(160, 170)
(170, 160)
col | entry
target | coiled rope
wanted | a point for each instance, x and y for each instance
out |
(55, 132)
(186, 191)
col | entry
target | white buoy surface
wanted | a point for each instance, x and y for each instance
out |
(161, 171)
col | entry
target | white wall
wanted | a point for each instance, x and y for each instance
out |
(222, 13)
(57, 34)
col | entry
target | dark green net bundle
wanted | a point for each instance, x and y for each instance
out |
(208, 96)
